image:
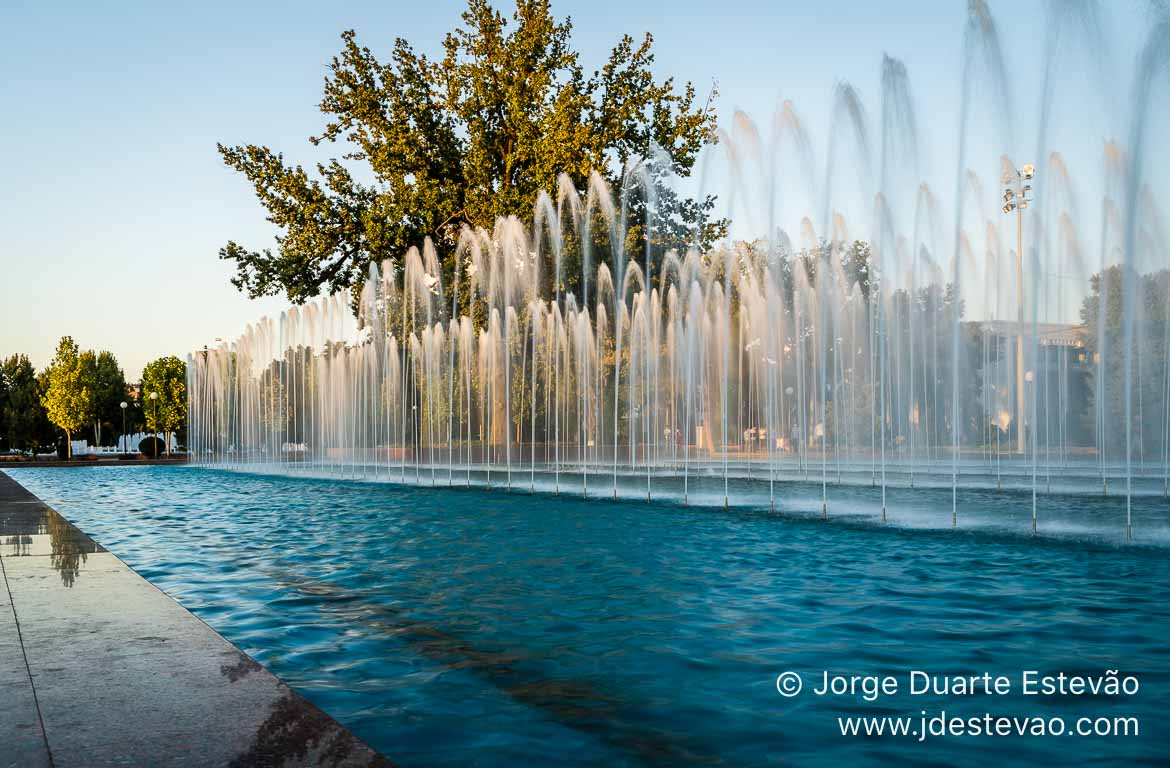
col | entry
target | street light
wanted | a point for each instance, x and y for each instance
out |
(125, 442)
(154, 399)
(789, 427)
(1015, 199)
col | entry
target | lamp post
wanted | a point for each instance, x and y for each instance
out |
(154, 400)
(1028, 377)
(788, 428)
(750, 433)
(1015, 199)
(123, 405)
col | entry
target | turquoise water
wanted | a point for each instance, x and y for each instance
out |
(468, 627)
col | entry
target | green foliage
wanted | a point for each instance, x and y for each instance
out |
(107, 387)
(3, 409)
(166, 376)
(933, 308)
(466, 139)
(1149, 358)
(854, 259)
(24, 423)
(67, 398)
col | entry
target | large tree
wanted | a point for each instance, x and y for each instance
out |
(25, 424)
(67, 399)
(167, 378)
(462, 140)
(4, 436)
(107, 386)
(1103, 310)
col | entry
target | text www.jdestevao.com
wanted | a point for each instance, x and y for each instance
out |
(929, 726)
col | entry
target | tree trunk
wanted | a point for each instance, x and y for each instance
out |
(68, 447)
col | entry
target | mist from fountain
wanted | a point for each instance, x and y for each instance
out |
(860, 351)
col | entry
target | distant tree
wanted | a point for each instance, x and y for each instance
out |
(47, 435)
(26, 424)
(855, 261)
(853, 258)
(1103, 309)
(465, 139)
(67, 398)
(107, 387)
(135, 415)
(4, 437)
(166, 376)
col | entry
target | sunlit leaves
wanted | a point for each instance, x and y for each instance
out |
(429, 147)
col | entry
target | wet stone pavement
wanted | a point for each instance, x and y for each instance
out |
(100, 668)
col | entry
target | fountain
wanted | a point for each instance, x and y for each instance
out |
(845, 340)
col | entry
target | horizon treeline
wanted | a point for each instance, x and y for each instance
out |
(79, 396)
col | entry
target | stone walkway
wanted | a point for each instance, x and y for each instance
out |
(100, 668)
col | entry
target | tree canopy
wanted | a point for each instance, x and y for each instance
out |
(1102, 312)
(107, 386)
(463, 140)
(23, 423)
(166, 376)
(67, 398)
(83, 389)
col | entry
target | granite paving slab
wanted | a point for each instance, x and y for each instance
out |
(21, 736)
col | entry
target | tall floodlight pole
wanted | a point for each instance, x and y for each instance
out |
(1015, 199)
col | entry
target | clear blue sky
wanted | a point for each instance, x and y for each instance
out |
(113, 200)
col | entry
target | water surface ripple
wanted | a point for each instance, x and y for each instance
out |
(468, 627)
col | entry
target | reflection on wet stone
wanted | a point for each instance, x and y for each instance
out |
(67, 552)
(20, 543)
(29, 528)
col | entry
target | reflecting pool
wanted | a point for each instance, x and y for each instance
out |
(464, 626)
